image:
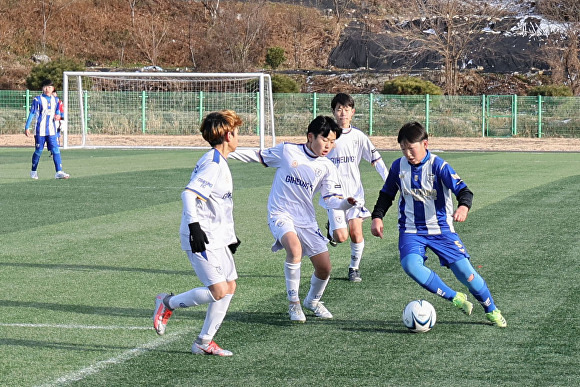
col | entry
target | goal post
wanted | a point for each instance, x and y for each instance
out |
(165, 110)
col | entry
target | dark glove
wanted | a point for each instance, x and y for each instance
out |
(234, 246)
(197, 238)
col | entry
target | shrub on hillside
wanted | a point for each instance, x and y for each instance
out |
(275, 57)
(53, 71)
(410, 86)
(284, 84)
(551, 91)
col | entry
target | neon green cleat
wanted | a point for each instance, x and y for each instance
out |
(460, 301)
(496, 318)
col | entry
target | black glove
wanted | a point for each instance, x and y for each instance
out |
(234, 246)
(197, 238)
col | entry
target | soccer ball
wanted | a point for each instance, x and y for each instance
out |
(419, 316)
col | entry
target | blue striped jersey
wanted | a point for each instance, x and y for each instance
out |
(43, 109)
(425, 201)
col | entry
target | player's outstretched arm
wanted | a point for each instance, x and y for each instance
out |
(246, 155)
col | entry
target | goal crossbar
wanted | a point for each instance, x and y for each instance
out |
(155, 106)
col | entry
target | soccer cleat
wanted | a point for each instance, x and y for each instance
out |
(162, 312)
(34, 175)
(495, 318)
(330, 238)
(318, 308)
(460, 301)
(61, 175)
(210, 348)
(354, 275)
(296, 313)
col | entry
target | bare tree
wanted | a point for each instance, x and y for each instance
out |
(340, 7)
(241, 32)
(47, 9)
(442, 31)
(212, 6)
(149, 35)
(562, 50)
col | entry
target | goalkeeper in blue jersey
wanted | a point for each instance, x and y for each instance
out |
(45, 108)
(207, 234)
(425, 183)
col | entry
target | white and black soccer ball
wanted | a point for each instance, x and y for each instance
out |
(419, 316)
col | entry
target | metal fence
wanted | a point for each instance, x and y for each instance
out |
(376, 114)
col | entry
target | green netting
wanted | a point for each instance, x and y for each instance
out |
(179, 112)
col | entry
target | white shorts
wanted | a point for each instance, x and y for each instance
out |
(339, 219)
(213, 266)
(311, 239)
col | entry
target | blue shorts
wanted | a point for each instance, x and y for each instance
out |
(448, 246)
(51, 143)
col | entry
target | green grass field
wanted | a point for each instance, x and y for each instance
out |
(81, 261)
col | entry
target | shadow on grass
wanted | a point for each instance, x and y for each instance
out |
(76, 267)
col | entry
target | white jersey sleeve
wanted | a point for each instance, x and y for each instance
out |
(207, 199)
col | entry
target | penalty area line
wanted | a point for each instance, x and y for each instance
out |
(72, 326)
(123, 357)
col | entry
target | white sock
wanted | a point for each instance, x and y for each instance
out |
(356, 252)
(292, 274)
(193, 297)
(216, 312)
(316, 291)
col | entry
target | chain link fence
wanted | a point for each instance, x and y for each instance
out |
(376, 114)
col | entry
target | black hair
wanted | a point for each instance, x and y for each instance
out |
(323, 125)
(343, 99)
(47, 82)
(412, 132)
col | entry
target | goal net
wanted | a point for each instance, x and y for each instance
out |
(144, 110)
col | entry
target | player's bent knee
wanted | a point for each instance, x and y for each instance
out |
(219, 290)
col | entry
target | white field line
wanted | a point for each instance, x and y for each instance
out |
(125, 356)
(72, 326)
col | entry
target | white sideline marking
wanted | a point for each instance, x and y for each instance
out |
(69, 326)
(127, 355)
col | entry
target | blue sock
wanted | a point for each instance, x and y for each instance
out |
(436, 286)
(485, 299)
(477, 286)
(57, 161)
(413, 264)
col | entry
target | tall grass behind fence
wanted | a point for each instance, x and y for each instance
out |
(178, 113)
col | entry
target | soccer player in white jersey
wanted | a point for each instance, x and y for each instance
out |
(207, 234)
(426, 183)
(45, 108)
(352, 146)
(302, 170)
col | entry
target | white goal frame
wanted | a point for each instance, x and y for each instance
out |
(78, 86)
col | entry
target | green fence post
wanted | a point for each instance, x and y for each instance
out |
(370, 114)
(539, 116)
(258, 110)
(86, 109)
(143, 107)
(483, 115)
(314, 107)
(514, 114)
(427, 112)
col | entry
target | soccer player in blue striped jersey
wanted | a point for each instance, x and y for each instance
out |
(302, 170)
(352, 146)
(45, 108)
(425, 183)
(207, 234)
